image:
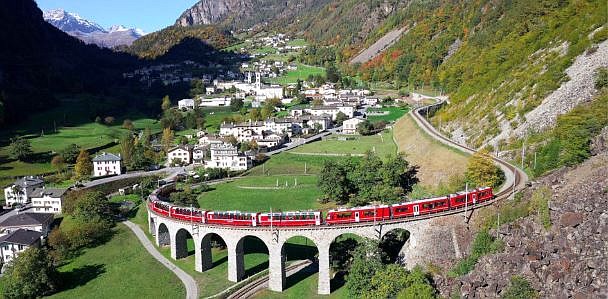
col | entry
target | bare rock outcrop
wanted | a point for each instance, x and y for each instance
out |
(569, 260)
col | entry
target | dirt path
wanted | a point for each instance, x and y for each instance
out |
(384, 42)
(189, 282)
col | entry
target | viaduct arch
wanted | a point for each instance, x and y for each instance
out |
(174, 233)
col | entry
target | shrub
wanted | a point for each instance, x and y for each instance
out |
(519, 288)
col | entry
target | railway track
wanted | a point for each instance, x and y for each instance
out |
(257, 285)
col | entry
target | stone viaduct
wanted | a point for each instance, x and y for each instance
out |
(174, 233)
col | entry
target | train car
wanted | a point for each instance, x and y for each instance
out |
(404, 209)
(431, 205)
(290, 218)
(188, 214)
(485, 194)
(232, 218)
(161, 208)
(461, 199)
(360, 214)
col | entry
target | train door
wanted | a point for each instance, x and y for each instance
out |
(253, 220)
(356, 216)
(474, 195)
(318, 218)
(416, 210)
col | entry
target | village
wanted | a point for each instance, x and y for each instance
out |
(300, 112)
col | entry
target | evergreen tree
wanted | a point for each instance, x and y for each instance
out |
(166, 103)
(127, 145)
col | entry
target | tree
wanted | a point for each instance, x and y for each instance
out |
(167, 138)
(58, 163)
(92, 205)
(332, 73)
(127, 146)
(366, 262)
(365, 128)
(166, 103)
(340, 118)
(317, 102)
(30, 275)
(20, 148)
(128, 124)
(232, 140)
(481, 170)
(333, 182)
(519, 288)
(84, 166)
(109, 120)
(236, 104)
(255, 114)
(387, 282)
(70, 153)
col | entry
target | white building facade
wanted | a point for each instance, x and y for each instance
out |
(226, 156)
(47, 200)
(107, 164)
(21, 190)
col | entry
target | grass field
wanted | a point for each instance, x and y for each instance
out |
(301, 73)
(120, 268)
(74, 123)
(437, 161)
(258, 194)
(382, 144)
(287, 163)
(395, 113)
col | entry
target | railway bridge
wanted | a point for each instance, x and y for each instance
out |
(175, 233)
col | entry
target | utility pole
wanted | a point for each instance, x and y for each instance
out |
(466, 201)
(534, 159)
(523, 153)
(498, 226)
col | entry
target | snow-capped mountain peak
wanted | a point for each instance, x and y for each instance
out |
(67, 21)
(91, 32)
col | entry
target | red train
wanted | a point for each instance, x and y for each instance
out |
(336, 216)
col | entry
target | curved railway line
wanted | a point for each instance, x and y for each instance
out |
(515, 180)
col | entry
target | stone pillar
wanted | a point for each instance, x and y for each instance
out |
(324, 277)
(181, 245)
(276, 260)
(152, 226)
(203, 255)
(172, 237)
(236, 261)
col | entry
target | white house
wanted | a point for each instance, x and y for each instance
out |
(11, 245)
(333, 111)
(185, 104)
(107, 164)
(20, 191)
(180, 154)
(349, 126)
(227, 156)
(40, 222)
(47, 200)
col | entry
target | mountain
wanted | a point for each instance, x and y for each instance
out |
(202, 38)
(37, 61)
(69, 22)
(243, 14)
(90, 32)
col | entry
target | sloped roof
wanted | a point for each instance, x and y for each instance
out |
(106, 157)
(41, 192)
(22, 236)
(26, 219)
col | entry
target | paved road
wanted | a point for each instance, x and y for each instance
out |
(187, 280)
(302, 142)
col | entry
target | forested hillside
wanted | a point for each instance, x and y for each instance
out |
(498, 60)
(159, 43)
(38, 60)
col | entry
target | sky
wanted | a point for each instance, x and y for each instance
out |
(149, 15)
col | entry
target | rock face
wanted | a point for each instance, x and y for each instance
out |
(569, 260)
(211, 12)
(243, 14)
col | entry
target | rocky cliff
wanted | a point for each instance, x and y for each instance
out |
(567, 260)
(243, 14)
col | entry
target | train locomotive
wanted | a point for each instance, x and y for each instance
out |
(315, 218)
